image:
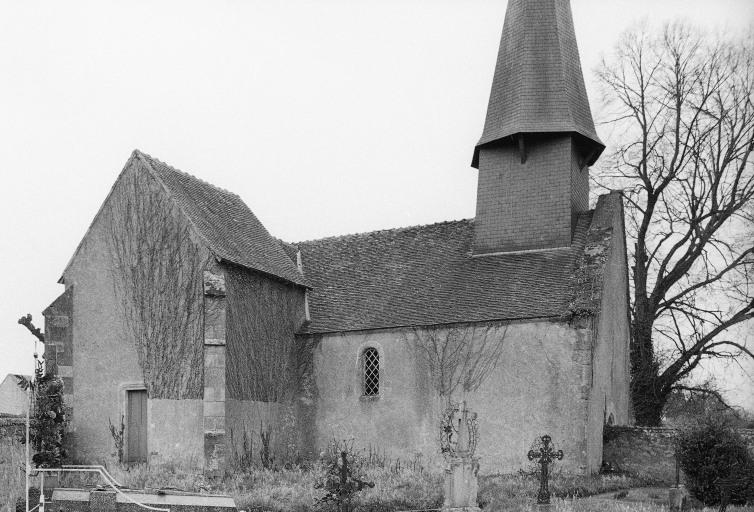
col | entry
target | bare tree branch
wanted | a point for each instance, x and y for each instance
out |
(682, 102)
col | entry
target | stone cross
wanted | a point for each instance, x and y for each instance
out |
(546, 456)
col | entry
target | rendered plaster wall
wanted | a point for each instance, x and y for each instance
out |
(263, 365)
(537, 388)
(104, 358)
(247, 420)
(175, 432)
(105, 361)
(609, 398)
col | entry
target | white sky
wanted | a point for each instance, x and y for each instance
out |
(327, 117)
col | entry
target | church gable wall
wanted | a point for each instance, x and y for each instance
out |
(106, 363)
(609, 401)
(540, 386)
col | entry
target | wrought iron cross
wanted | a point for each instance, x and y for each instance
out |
(546, 456)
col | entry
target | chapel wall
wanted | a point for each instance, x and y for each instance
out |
(175, 432)
(609, 397)
(105, 360)
(262, 367)
(538, 388)
(614, 314)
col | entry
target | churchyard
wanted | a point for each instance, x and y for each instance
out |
(508, 362)
(400, 485)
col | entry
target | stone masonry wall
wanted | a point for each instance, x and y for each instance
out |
(648, 451)
(59, 340)
(12, 428)
(214, 372)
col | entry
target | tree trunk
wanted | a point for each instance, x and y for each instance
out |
(647, 393)
(648, 403)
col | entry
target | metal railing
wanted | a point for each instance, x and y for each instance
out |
(107, 477)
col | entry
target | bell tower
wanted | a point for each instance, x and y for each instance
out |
(538, 139)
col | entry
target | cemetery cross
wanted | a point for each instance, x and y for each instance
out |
(546, 456)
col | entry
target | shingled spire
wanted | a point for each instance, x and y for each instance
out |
(538, 136)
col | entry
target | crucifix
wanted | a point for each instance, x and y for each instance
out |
(546, 456)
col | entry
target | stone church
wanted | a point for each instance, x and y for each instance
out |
(188, 326)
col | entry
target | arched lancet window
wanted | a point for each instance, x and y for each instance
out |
(371, 367)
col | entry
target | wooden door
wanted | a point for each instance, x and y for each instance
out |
(136, 434)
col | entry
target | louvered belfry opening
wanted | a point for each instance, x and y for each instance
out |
(371, 362)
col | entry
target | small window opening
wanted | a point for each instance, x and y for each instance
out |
(371, 372)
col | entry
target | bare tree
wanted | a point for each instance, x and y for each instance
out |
(459, 358)
(157, 268)
(682, 104)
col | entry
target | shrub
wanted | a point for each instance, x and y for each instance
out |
(48, 423)
(343, 478)
(709, 451)
(33, 499)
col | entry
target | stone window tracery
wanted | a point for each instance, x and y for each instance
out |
(371, 367)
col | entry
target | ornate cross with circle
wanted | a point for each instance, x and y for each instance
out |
(545, 456)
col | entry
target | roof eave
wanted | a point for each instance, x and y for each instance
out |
(592, 141)
(298, 282)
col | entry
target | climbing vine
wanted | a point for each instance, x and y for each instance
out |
(157, 277)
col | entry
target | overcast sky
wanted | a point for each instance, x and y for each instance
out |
(327, 117)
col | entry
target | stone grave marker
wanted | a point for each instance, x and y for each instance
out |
(109, 500)
(458, 443)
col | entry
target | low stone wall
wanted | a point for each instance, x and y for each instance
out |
(12, 427)
(648, 451)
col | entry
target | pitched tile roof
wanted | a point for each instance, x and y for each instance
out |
(425, 275)
(538, 85)
(230, 229)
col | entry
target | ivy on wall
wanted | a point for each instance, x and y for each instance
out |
(157, 276)
(263, 316)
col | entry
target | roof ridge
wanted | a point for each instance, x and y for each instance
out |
(376, 231)
(187, 174)
(147, 160)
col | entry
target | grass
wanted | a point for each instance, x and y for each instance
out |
(397, 487)
(504, 492)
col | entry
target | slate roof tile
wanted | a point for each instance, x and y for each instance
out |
(538, 85)
(229, 227)
(425, 275)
